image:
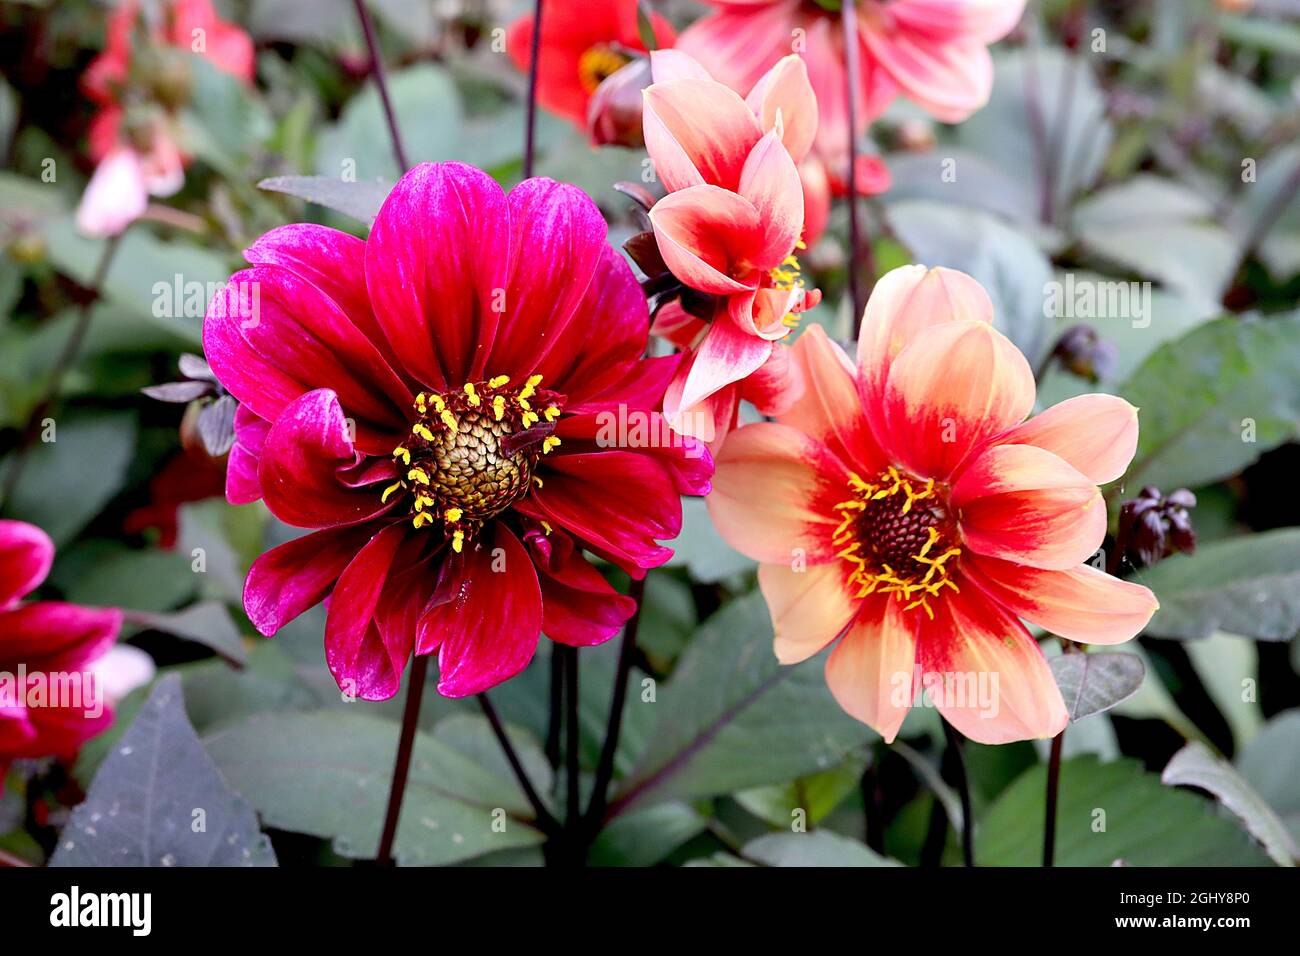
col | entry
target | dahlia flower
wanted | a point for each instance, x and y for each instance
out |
(904, 506)
(51, 698)
(583, 42)
(136, 87)
(934, 52)
(731, 221)
(435, 402)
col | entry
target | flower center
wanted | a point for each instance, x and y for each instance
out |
(597, 64)
(471, 453)
(898, 537)
(788, 275)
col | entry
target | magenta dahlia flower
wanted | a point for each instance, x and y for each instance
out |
(51, 698)
(441, 404)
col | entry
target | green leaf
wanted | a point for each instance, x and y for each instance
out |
(1009, 266)
(1247, 585)
(1035, 82)
(106, 573)
(1093, 683)
(702, 551)
(207, 623)
(360, 200)
(646, 837)
(1268, 763)
(67, 481)
(1228, 666)
(149, 795)
(815, 848)
(813, 796)
(1196, 766)
(732, 717)
(1215, 400)
(428, 112)
(327, 773)
(1110, 812)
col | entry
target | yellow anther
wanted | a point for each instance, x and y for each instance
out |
(423, 501)
(449, 420)
(471, 394)
(402, 453)
(421, 429)
(383, 499)
(549, 443)
(458, 541)
(523, 403)
(528, 418)
(546, 526)
(537, 480)
(499, 407)
(551, 413)
(452, 515)
(418, 475)
(498, 380)
(421, 519)
(438, 403)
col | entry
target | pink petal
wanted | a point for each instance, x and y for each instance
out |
(704, 234)
(957, 385)
(436, 261)
(949, 79)
(1097, 434)
(698, 132)
(830, 409)
(297, 472)
(297, 575)
(557, 244)
(486, 616)
(993, 683)
(774, 489)
(55, 636)
(26, 554)
(1026, 505)
(579, 607)
(242, 485)
(870, 672)
(770, 180)
(726, 355)
(785, 91)
(115, 197)
(810, 607)
(668, 65)
(1080, 604)
(362, 662)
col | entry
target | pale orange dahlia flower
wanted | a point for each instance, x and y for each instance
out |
(904, 507)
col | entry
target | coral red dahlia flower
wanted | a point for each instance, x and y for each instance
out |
(39, 642)
(435, 402)
(731, 221)
(583, 42)
(932, 51)
(905, 506)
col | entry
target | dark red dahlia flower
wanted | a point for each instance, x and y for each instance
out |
(51, 699)
(439, 403)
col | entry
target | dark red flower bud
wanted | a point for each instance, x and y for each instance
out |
(1083, 352)
(614, 112)
(1153, 526)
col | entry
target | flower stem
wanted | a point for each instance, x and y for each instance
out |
(849, 19)
(402, 765)
(530, 116)
(377, 71)
(963, 788)
(613, 727)
(65, 360)
(572, 795)
(556, 713)
(1053, 786)
(545, 821)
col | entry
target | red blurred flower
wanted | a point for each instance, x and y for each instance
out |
(582, 43)
(138, 82)
(434, 401)
(904, 506)
(932, 51)
(45, 646)
(730, 223)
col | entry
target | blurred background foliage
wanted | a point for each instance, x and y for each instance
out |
(1170, 155)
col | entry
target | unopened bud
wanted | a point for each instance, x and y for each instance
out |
(1153, 526)
(614, 111)
(1082, 351)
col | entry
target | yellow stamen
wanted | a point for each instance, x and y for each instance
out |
(458, 541)
(498, 380)
(452, 515)
(402, 453)
(383, 499)
(548, 443)
(499, 407)
(471, 394)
